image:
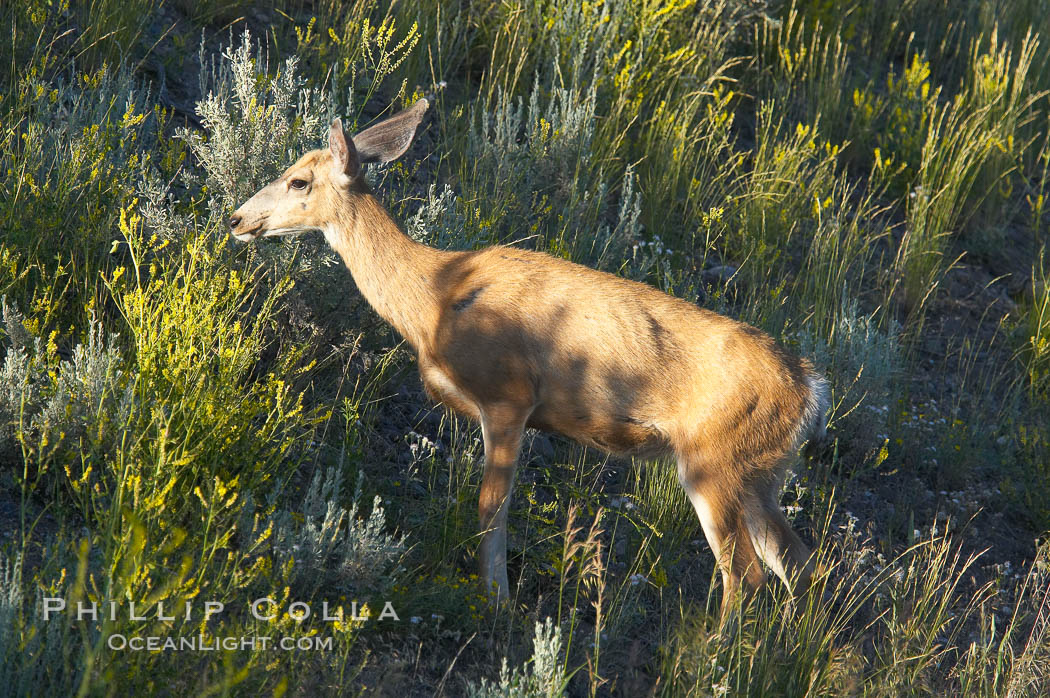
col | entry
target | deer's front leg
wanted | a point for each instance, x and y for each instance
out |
(501, 427)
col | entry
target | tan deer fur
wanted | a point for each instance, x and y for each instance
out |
(516, 339)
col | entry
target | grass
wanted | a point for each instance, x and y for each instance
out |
(186, 420)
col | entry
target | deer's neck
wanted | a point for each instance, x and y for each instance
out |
(395, 274)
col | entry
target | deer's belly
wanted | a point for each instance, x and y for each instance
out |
(619, 434)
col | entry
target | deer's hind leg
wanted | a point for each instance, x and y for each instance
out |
(721, 501)
(775, 540)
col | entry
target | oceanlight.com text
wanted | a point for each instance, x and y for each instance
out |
(199, 643)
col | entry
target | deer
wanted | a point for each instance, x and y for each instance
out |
(517, 339)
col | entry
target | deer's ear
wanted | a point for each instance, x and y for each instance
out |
(344, 154)
(389, 139)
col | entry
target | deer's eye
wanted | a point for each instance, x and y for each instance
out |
(298, 184)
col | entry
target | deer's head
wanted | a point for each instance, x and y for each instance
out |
(303, 198)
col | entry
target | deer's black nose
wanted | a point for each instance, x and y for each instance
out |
(234, 222)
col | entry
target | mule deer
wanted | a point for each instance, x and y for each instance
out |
(515, 339)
